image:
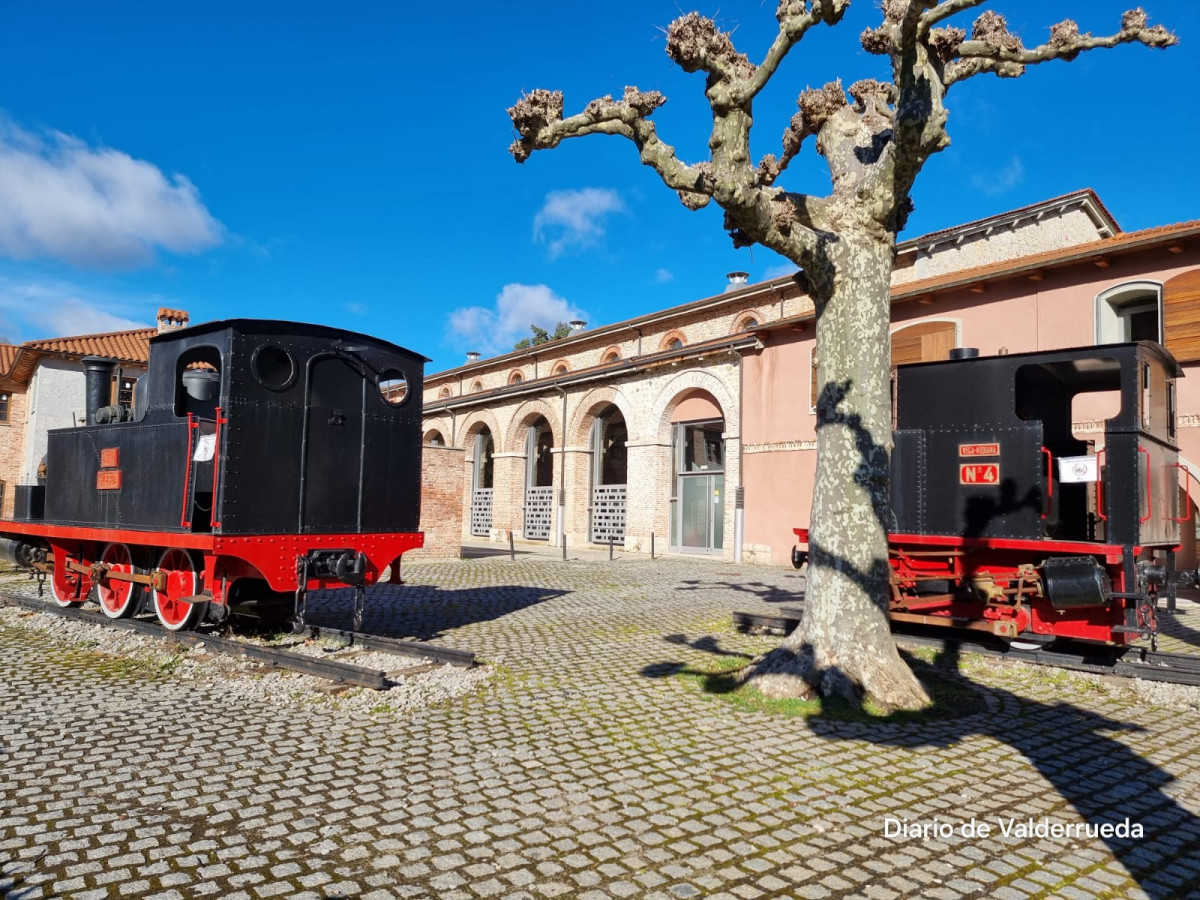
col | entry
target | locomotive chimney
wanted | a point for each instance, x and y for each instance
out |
(99, 371)
(964, 353)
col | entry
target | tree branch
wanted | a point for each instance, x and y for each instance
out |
(993, 49)
(538, 118)
(795, 17)
(944, 11)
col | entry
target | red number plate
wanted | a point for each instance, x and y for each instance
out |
(979, 473)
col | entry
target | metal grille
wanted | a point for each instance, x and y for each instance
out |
(608, 513)
(539, 507)
(481, 512)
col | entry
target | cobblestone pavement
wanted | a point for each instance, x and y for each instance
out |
(585, 768)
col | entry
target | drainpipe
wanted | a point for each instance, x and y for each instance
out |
(739, 501)
(562, 472)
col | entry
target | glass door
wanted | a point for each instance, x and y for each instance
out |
(700, 486)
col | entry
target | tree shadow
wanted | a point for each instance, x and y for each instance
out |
(767, 593)
(1101, 778)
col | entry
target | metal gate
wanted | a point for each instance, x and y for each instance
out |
(608, 513)
(481, 512)
(539, 510)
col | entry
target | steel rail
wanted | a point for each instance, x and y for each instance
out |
(464, 659)
(329, 669)
(1124, 662)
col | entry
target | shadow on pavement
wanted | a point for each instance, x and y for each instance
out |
(767, 593)
(421, 611)
(1102, 778)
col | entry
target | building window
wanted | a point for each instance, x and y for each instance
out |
(125, 389)
(560, 368)
(747, 321)
(1129, 312)
(444, 393)
(434, 439)
(611, 355)
(477, 387)
(516, 378)
(5, 399)
(674, 340)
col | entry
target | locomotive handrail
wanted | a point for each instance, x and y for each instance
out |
(1149, 483)
(1187, 492)
(1100, 484)
(192, 425)
(1049, 482)
(214, 524)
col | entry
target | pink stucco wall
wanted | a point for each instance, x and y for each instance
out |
(1015, 315)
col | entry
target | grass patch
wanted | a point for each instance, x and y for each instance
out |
(953, 698)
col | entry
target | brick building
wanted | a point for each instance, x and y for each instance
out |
(694, 427)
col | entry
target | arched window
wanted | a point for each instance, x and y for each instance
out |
(444, 393)
(746, 321)
(5, 399)
(434, 438)
(1129, 312)
(610, 356)
(560, 369)
(673, 340)
(477, 387)
(515, 377)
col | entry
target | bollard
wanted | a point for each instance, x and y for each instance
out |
(512, 549)
(564, 545)
(610, 549)
(652, 545)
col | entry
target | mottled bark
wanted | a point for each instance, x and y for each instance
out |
(843, 645)
(875, 143)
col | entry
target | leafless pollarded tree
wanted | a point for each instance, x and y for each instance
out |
(875, 142)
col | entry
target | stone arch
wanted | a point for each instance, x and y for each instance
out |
(560, 367)
(516, 376)
(742, 320)
(610, 355)
(514, 440)
(441, 425)
(444, 392)
(591, 403)
(669, 338)
(471, 425)
(476, 386)
(674, 392)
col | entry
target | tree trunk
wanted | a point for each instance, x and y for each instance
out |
(843, 645)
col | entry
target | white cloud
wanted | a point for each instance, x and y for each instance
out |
(30, 310)
(494, 331)
(662, 276)
(574, 220)
(62, 199)
(1000, 182)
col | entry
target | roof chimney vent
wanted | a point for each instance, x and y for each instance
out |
(170, 319)
(737, 281)
(472, 355)
(577, 325)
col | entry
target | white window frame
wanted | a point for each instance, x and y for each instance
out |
(1114, 306)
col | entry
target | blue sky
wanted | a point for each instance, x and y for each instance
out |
(347, 164)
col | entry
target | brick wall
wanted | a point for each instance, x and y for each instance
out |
(12, 447)
(441, 502)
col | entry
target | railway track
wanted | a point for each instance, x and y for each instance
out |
(1125, 662)
(330, 669)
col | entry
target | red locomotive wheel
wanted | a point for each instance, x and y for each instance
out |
(64, 585)
(118, 599)
(182, 581)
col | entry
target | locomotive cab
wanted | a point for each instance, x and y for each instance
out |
(986, 447)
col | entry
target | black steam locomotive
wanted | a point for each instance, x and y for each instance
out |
(260, 460)
(1003, 520)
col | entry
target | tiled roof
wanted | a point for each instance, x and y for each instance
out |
(125, 346)
(1124, 242)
